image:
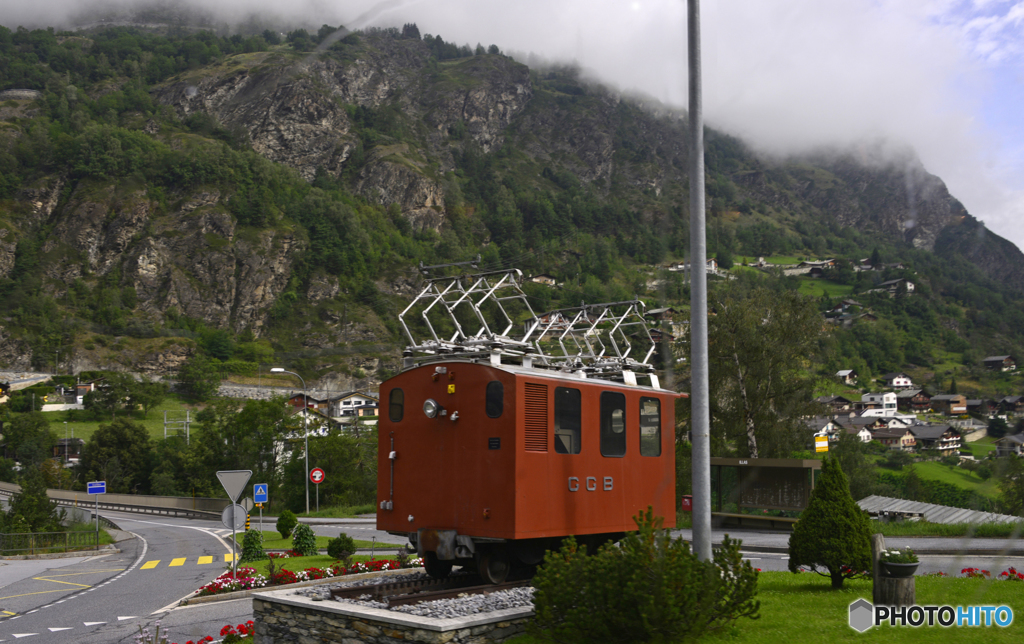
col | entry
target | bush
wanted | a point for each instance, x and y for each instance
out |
(341, 547)
(286, 523)
(304, 541)
(252, 546)
(833, 533)
(649, 589)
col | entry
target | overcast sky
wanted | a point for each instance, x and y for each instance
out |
(944, 76)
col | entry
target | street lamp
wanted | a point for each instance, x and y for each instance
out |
(305, 423)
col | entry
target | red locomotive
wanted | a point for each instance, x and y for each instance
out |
(494, 449)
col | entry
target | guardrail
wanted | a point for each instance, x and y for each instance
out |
(198, 507)
(48, 542)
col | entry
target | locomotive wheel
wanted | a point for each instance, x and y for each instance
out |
(493, 565)
(435, 567)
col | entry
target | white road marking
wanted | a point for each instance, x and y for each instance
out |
(66, 628)
(209, 531)
(121, 619)
(93, 623)
(18, 636)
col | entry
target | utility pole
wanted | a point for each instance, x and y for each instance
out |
(700, 417)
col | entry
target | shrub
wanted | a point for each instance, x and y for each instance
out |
(833, 533)
(252, 546)
(304, 541)
(649, 589)
(286, 523)
(341, 547)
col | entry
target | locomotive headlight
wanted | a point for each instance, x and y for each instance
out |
(431, 408)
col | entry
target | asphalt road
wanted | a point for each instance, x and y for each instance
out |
(106, 599)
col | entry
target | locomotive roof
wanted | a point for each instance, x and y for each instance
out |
(576, 377)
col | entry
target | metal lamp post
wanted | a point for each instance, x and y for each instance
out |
(305, 423)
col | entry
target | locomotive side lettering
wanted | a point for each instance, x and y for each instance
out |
(591, 482)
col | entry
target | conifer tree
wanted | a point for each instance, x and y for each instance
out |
(832, 536)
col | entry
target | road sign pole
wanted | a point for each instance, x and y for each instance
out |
(318, 497)
(234, 542)
(97, 517)
(261, 518)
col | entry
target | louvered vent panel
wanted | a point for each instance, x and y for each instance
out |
(536, 417)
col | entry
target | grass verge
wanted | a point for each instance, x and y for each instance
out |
(296, 564)
(272, 541)
(803, 608)
(340, 512)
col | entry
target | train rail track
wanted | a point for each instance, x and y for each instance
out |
(403, 593)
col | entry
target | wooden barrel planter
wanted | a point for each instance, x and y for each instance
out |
(893, 584)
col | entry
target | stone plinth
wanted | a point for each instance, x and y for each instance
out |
(282, 617)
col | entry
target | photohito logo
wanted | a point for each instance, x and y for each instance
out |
(864, 615)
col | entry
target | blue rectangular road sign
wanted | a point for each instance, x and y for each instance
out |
(259, 493)
(96, 487)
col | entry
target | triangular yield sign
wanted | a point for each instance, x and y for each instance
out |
(234, 482)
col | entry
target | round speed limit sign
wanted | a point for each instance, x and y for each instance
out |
(316, 475)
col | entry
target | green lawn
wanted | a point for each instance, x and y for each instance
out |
(818, 287)
(803, 608)
(272, 541)
(340, 511)
(154, 423)
(935, 471)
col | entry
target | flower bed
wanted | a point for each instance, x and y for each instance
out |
(248, 578)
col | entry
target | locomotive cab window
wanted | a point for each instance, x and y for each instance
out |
(567, 420)
(613, 424)
(396, 405)
(650, 427)
(495, 402)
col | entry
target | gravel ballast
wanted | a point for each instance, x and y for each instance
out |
(439, 609)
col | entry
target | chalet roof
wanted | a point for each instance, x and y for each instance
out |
(909, 393)
(996, 358)
(1017, 439)
(819, 423)
(1013, 400)
(666, 309)
(932, 432)
(828, 400)
(842, 373)
(892, 282)
(942, 397)
(974, 402)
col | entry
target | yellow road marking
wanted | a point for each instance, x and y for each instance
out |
(180, 561)
(41, 592)
(205, 560)
(7, 612)
(228, 557)
(61, 582)
(150, 564)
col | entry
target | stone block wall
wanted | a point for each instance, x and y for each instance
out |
(281, 617)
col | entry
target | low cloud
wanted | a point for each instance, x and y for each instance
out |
(786, 75)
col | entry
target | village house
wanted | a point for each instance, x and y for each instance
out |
(835, 404)
(950, 404)
(663, 314)
(892, 286)
(847, 376)
(982, 406)
(883, 402)
(914, 401)
(898, 380)
(1012, 405)
(943, 438)
(544, 278)
(901, 439)
(1000, 363)
(1010, 445)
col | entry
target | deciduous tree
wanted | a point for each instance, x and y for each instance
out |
(759, 347)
